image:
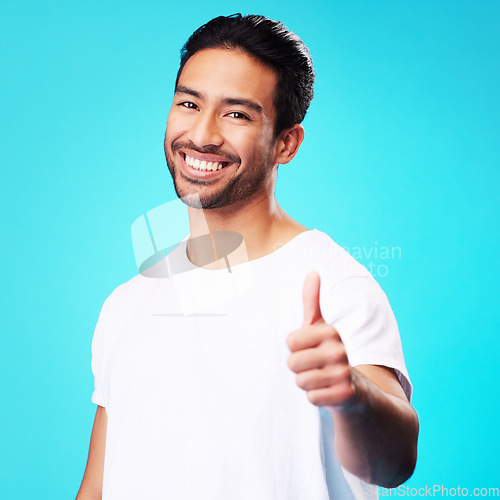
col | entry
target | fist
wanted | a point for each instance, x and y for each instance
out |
(318, 356)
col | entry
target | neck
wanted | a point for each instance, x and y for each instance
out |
(261, 222)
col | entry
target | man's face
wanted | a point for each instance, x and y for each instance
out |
(219, 142)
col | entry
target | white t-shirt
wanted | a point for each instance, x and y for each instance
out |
(192, 370)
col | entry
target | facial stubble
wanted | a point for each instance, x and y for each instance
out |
(235, 190)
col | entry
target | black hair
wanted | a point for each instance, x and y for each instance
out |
(275, 46)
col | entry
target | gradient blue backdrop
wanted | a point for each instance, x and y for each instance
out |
(401, 151)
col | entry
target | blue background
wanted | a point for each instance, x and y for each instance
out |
(401, 151)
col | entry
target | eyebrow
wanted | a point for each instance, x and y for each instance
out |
(181, 89)
(233, 101)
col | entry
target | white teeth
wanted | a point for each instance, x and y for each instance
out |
(203, 165)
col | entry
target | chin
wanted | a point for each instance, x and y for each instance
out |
(191, 200)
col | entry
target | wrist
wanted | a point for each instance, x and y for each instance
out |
(357, 403)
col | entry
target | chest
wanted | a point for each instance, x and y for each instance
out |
(234, 352)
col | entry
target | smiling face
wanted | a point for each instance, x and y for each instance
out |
(219, 142)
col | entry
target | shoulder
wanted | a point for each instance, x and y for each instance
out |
(126, 297)
(319, 252)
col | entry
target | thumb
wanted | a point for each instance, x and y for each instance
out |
(310, 297)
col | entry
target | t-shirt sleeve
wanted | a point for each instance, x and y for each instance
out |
(359, 310)
(98, 342)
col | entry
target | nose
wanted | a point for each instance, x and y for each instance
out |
(205, 130)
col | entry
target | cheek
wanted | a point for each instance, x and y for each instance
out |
(246, 142)
(176, 126)
(266, 147)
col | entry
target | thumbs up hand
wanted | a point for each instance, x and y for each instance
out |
(318, 356)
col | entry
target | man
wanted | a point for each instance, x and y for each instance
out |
(286, 379)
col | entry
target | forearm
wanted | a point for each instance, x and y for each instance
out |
(376, 435)
(88, 494)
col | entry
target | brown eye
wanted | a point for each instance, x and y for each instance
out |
(188, 104)
(238, 115)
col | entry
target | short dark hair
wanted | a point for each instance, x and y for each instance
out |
(275, 46)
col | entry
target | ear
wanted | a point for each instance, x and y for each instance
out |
(288, 142)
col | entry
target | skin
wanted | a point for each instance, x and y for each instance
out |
(205, 123)
(91, 487)
(223, 111)
(376, 429)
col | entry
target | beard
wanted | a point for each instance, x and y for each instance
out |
(210, 194)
